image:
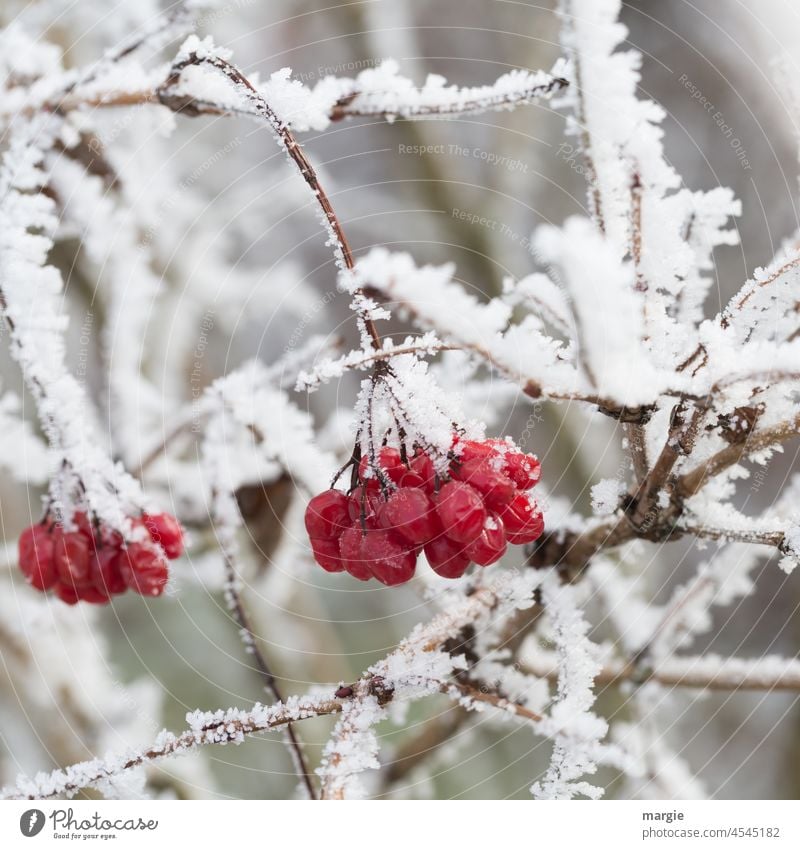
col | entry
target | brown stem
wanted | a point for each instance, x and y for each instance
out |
(644, 517)
(635, 435)
(680, 442)
(692, 482)
(771, 538)
(490, 698)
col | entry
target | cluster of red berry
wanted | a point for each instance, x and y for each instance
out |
(403, 507)
(92, 563)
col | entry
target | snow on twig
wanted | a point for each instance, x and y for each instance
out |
(576, 729)
(209, 728)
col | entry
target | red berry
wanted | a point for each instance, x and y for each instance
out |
(326, 515)
(418, 472)
(410, 513)
(523, 469)
(496, 489)
(143, 570)
(67, 594)
(523, 523)
(71, 558)
(410, 479)
(447, 558)
(326, 553)
(105, 571)
(364, 503)
(92, 595)
(36, 557)
(165, 530)
(422, 466)
(350, 551)
(472, 450)
(389, 557)
(83, 525)
(461, 511)
(491, 545)
(389, 461)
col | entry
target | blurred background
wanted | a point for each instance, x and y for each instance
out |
(71, 679)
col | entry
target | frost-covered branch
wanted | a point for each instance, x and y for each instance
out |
(360, 360)
(703, 672)
(205, 729)
(380, 92)
(691, 482)
(576, 729)
(242, 410)
(416, 668)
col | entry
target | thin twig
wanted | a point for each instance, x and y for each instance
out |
(459, 691)
(771, 538)
(680, 441)
(349, 107)
(743, 299)
(268, 678)
(692, 482)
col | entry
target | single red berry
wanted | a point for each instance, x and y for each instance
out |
(422, 466)
(326, 515)
(523, 522)
(67, 594)
(92, 595)
(84, 526)
(409, 478)
(411, 514)
(473, 450)
(389, 557)
(165, 530)
(523, 469)
(143, 570)
(491, 545)
(364, 503)
(447, 558)
(326, 553)
(350, 550)
(389, 461)
(35, 548)
(71, 558)
(497, 490)
(105, 570)
(461, 511)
